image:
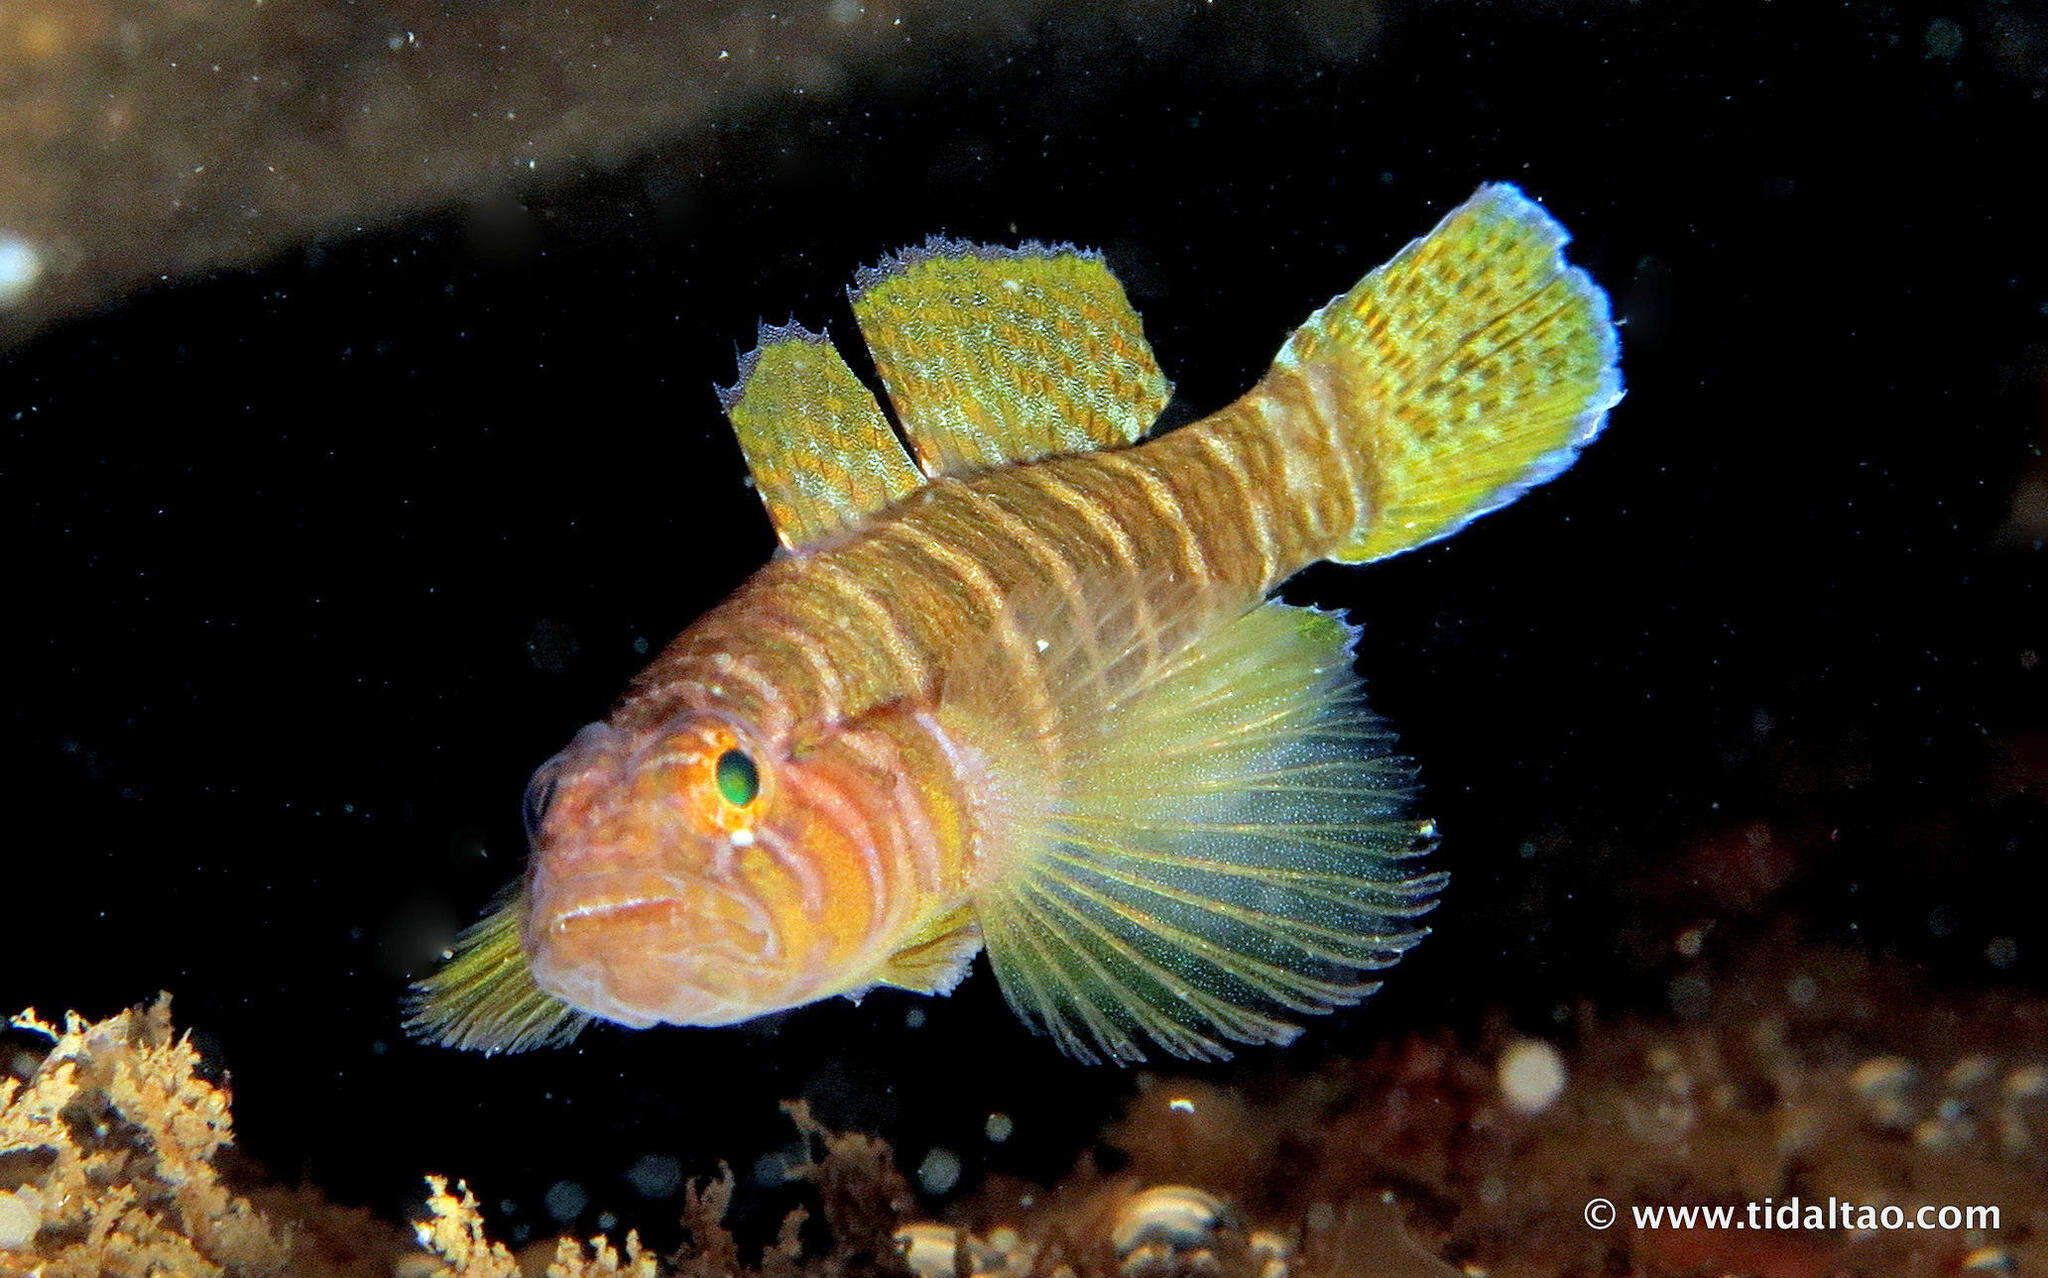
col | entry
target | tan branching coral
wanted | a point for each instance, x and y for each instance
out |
(108, 1170)
(1434, 1156)
(454, 1232)
(124, 1132)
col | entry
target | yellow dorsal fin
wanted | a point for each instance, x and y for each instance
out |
(995, 355)
(822, 455)
(1205, 834)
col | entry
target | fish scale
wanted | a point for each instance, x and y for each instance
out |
(1014, 681)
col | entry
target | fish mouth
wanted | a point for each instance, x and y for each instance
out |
(641, 947)
(728, 922)
(639, 909)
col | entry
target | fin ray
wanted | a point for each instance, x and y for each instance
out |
(1270, 979)
(1174, 1034)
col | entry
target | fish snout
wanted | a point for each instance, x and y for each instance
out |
(641, 948)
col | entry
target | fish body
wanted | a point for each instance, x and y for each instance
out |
(1020, 686)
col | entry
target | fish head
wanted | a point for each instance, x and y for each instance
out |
(640, 906)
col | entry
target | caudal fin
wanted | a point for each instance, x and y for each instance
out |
(1472, 367)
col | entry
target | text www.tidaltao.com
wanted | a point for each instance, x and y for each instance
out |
(1795, 1213)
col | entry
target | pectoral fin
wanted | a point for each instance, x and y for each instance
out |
(1206, 834)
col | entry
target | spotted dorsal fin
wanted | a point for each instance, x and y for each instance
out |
(822, 455)
(997, 355)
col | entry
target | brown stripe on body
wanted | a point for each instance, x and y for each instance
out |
(830, 657)
(896, 849)
(1314, 412)
(1235, 503)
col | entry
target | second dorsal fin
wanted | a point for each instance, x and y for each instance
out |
(997, 355)
(821, 453)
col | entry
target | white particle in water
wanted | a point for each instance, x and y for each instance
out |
(20, 266)
(1531, 1075)
(566, 1200)
(655, 1176)
(939, 1171)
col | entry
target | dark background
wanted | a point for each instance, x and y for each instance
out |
(307, 569)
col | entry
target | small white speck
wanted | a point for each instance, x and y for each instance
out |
(20, 265)
(566, 1200)
(743, 838)
(1042, 645)
(939, 1171)
(1531, 1075)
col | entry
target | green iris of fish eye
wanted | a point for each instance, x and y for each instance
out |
(737, 779)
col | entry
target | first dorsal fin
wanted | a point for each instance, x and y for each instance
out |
(996, 355)
(822, 455)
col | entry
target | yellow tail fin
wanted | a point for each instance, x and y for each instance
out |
(1474, 366)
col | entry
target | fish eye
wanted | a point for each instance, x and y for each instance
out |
(738, 780)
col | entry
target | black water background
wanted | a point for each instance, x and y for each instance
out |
(308, 568)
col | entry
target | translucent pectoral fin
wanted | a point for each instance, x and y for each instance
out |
(1219, 844)
(822, 455)
(995, 355)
